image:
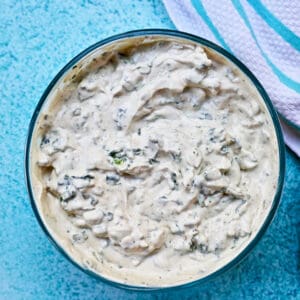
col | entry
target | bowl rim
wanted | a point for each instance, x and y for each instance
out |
(281, 152)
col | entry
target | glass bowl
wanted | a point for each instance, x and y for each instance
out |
(222, 52)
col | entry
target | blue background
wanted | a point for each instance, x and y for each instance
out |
(37, 38)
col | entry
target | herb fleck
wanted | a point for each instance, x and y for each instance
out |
(112, 179)
(153, 161)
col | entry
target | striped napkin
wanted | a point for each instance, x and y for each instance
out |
(265, 35)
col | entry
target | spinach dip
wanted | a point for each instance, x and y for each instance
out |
(154, 161)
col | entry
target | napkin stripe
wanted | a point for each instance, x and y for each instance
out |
(294, 85)
(286, 80)
(202, 12)
(276, 24)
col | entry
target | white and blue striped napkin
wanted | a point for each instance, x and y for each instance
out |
(263, 34)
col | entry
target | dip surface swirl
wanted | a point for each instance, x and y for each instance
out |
(158, 166)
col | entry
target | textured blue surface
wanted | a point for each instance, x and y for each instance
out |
(36, 39)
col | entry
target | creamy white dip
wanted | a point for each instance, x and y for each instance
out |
(155, 163)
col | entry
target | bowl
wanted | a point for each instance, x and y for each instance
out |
(162, 33)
